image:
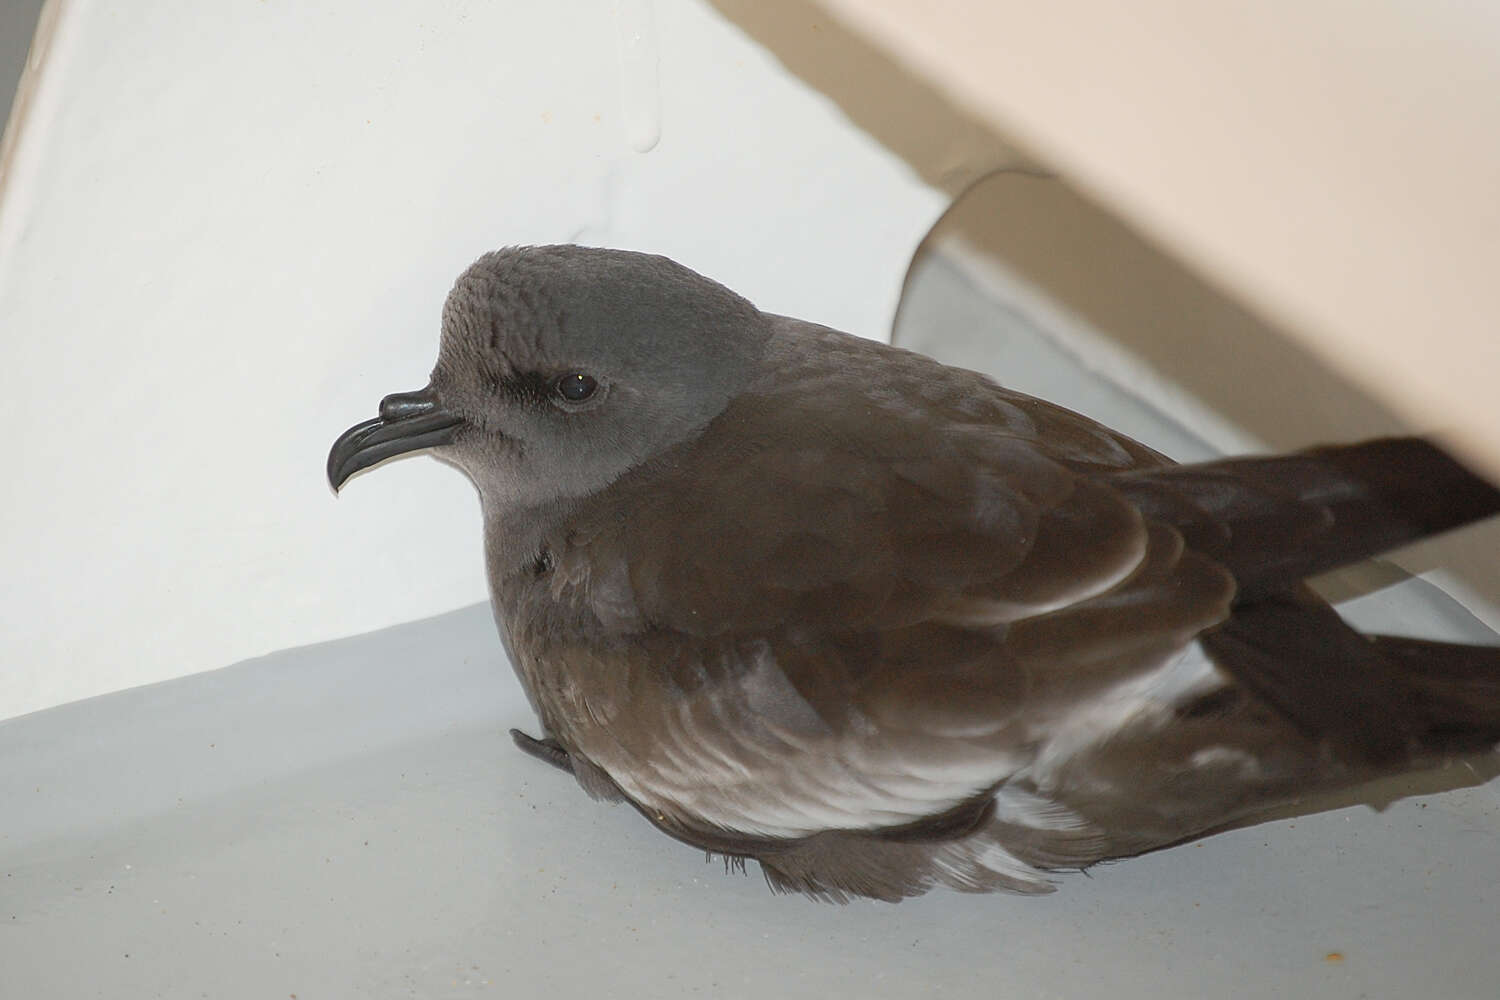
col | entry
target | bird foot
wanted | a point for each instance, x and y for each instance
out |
(549, 751)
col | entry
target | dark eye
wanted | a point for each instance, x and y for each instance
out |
(575, 387)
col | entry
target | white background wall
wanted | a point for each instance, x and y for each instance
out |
(227, 231)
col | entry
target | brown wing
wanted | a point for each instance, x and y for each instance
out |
(832, 616)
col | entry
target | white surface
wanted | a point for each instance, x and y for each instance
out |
(229, 229)
(1336, 162)
(350, 820)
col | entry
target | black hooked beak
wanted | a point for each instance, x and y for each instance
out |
(408, 421)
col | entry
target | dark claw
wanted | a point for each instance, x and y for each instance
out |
(549, 751)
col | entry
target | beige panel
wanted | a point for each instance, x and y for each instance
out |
(1335, 163)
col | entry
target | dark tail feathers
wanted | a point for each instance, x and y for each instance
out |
(1455, 691)
(1277, 520)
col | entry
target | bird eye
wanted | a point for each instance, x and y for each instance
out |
(575, 387)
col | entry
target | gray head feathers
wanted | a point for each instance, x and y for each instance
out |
(651, 352)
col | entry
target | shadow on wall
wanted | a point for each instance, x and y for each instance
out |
(1096, 268)
(17, 25)
(947, 146)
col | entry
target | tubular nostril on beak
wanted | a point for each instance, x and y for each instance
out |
(399, 405)
(408, 421)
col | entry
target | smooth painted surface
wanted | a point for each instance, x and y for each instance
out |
(351, 820)
(229, 229)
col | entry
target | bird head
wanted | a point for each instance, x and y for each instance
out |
(561, 367)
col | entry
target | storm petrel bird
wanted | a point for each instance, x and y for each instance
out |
(882, 624)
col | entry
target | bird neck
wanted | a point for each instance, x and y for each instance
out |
(515, 535)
